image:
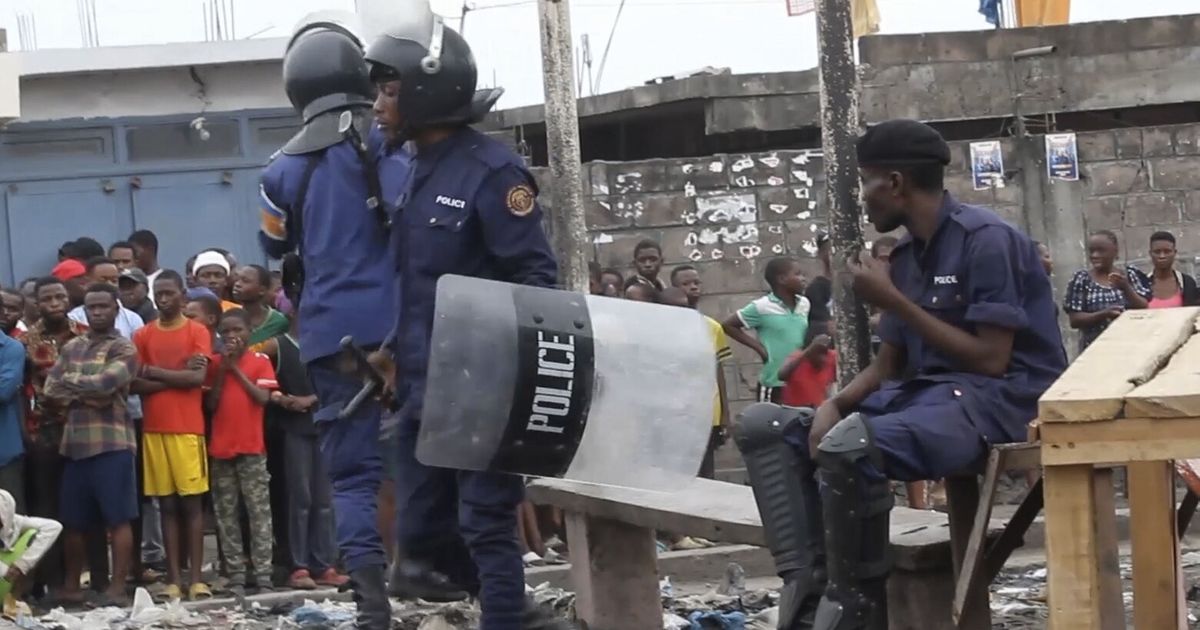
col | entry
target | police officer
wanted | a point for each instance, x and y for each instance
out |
(472, 210)
(322, 196)
(969, 324)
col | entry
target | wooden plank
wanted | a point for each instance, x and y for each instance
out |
(1174, 392)
(969, 583)
(1074, 585)
(1013, 536)
(1124, 440)
(614, 574)
(1155, 545)
(726, 512)
(1108, 556)
(1127, 354)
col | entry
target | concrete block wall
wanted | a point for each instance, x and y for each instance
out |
(1140, 180)
(729, 214)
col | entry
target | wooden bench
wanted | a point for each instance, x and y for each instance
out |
(613, 554)
(1132, 398)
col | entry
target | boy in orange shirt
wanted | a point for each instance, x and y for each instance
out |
(240, 384)
(173, 353)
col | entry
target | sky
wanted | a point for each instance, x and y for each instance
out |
(653, 38)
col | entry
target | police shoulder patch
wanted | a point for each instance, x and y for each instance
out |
(520, 199)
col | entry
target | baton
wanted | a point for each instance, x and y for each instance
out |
(372, 384)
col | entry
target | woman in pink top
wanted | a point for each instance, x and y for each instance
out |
(1170, 287)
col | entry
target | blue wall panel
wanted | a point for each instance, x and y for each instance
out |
(196, 211)
(63, 180)
(42, 215)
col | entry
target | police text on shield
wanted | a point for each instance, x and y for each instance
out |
(554, 383)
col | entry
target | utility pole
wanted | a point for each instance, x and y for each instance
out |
(562, 140)
(839, 131)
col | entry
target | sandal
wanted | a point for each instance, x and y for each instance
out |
(199, 591)
(170, 593)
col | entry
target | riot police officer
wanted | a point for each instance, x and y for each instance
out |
(471, 210)
(324, 196)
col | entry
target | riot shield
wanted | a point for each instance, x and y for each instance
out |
(552, 383)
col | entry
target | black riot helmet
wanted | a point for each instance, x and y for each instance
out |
(324, 74)
(435, 68)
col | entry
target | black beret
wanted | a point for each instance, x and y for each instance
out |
(901, 141)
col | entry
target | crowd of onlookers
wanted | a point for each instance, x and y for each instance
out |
(141, 407)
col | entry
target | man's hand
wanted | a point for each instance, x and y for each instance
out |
(384, 363)
(13, 575)
(826, 418)
(233, 349)
(821, 343)
(873, 283)
(197, 362)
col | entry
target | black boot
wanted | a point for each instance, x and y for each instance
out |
(370, 595)
(413, 580)
(542, 618)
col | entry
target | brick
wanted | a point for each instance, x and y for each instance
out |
(729, 276)
(806, 168)
(1176, 173)
(635, 177)
(1188, 243)
(615, 249)
(790, 203)
(759, 169)
(723, 207)
(597, 175)
(1191, 206)
(721, 306)
(601, 213)
(1096, 145)
(729, 241)
(1104, 213)
(659, 209)
(802, 237)
(962, 186)
(1187, 140)
(1135, 242)
(1129, 143)
(1110, 178)
(960, 157)
(1152, 209)
(1013, 214)
(690, 176)
(1156, 142)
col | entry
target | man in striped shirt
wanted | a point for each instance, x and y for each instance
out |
(91, 379)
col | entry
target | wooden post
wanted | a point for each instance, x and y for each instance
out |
(839, 132)
(614, 573)
(1155, 546)
(562, 140)
(1071, 548)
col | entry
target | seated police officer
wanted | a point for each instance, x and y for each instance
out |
(969, 316)
(323, 196)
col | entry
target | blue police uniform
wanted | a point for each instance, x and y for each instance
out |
(348, 287)
(471, 211)
(975, 270)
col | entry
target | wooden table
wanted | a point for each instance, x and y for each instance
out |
(1131, 399)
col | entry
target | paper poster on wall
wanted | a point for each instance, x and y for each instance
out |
(1062, 157)
(987, 165)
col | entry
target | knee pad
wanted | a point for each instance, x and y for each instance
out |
(857, 502)
(785, 492)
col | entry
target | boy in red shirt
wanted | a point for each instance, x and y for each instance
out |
(240, 385)
(807, 374)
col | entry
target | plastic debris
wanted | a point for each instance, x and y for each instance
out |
(665, 589)
(714, 620)
(675, 622)
(734, 582)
